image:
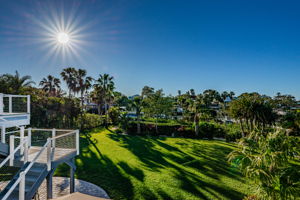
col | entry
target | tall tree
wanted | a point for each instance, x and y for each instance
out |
(253, 111)
(137, 104)
(157, 106)
(69, 76)
(196, 106)
(84, 83)
(51, 85)
(104, 87)
(146, 91)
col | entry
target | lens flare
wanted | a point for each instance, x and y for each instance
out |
(63, 38)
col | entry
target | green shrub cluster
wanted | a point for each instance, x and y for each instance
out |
(88, 121)
(233, 132)
(208, 130)
(148, 128)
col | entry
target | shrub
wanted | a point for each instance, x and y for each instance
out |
(233, 133)
(210, 130)
(114, 115)
(88, 121)
(163, 129)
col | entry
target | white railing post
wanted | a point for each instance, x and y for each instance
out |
(53, 136)
(3, 134)
(77, 141)
(29, 136)
(1, 103)
(22, 133)
(11, 149)
(49, 154)
(22, 186)
(28, 104)
(10, 104)
(26, 150)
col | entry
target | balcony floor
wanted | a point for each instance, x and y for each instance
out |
(59, 154)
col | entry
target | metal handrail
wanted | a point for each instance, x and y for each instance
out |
(60, 136)
(48, 144)
(24, 172)
(13, 153)
(37, 156)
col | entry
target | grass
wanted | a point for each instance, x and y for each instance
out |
(133, 167)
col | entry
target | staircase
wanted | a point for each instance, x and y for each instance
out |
(26, 166)
(37, 163)
(33, 179)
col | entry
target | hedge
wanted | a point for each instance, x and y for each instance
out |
(207, 130)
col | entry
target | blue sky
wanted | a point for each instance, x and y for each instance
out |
(242, 46)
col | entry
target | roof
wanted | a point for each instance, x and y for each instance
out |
(78, 196)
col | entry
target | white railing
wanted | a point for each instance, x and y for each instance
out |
(50, 145)
(11, 106)
(13, 151)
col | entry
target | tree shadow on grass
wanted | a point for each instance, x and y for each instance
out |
(135, 172)
(145, 149)
(94, 167)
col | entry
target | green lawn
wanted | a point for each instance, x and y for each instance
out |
(132, 167)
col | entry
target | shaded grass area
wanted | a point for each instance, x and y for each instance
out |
(134, 167)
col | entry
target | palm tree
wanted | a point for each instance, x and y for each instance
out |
(137, 104)
(16, 83)
(104, 88)
(51, 85)
(83, 83)
(69, 76)
(195, 106)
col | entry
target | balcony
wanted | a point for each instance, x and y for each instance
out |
(14, 110)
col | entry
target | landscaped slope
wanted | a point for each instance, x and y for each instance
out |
(132, 167)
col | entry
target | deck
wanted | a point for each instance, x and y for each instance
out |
(58, 155)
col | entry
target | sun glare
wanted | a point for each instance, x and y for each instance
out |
(63, 38)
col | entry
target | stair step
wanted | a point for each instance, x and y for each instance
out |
(31, 178)
(36, 170)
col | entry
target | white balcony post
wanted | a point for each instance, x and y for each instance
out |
(26, 150)
(29, 136)
(49, 154)
(3, 129)
(28, 104)
(22, 132)
(10, 108)
(1, 103)
(11, 149)
(77, 141)
(22, 186)
(53, 136)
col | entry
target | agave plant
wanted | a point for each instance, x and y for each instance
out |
(267, 159)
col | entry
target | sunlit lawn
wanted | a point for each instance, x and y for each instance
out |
(132, 167)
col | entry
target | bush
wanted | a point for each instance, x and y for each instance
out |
(163, 129)
(88, 121)
(211, 130)
(114, 115)
(233, 133)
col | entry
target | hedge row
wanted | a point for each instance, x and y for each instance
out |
(206, 130)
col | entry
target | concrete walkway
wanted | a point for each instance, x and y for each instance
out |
(61, 187)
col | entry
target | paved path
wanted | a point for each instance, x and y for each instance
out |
(61, 187)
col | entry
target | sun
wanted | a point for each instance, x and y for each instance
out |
(63, 38)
